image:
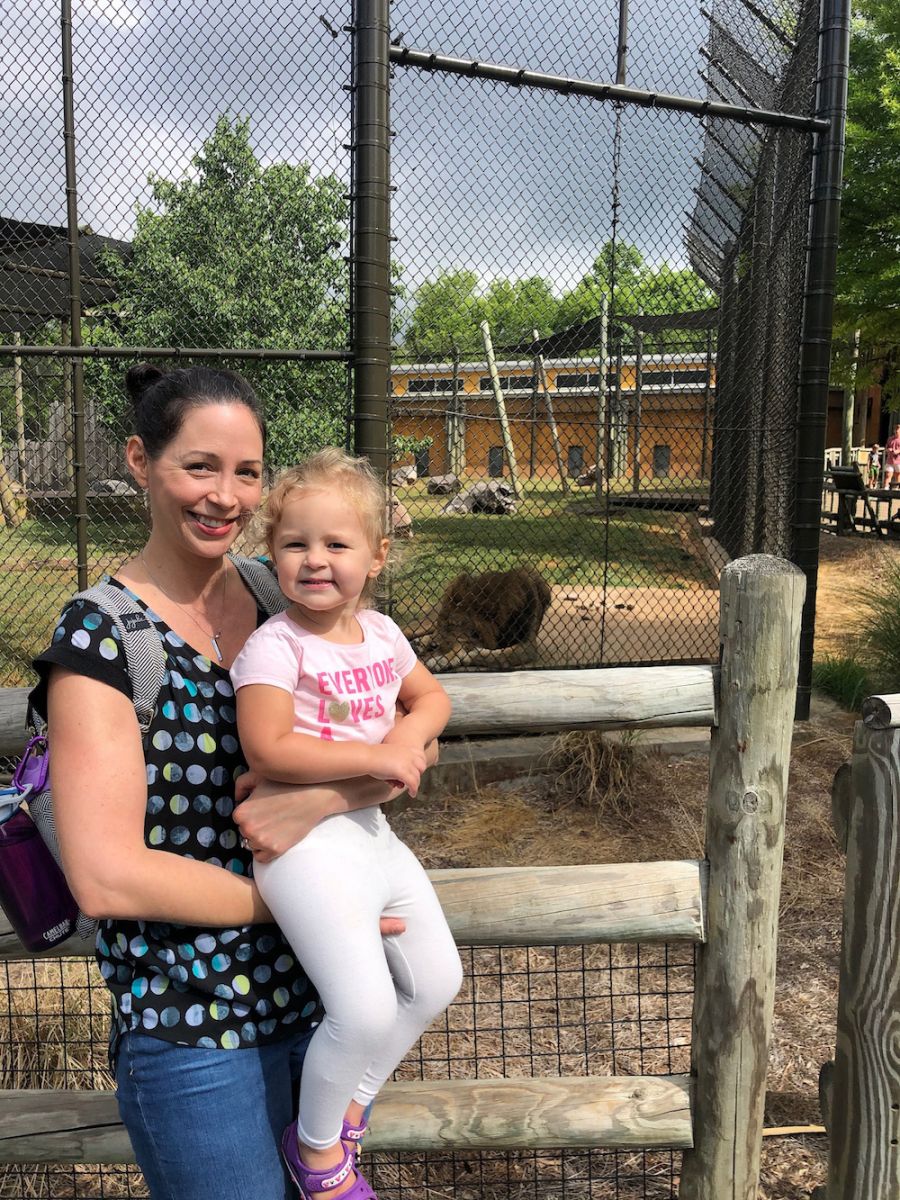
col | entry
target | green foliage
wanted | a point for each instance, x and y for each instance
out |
(404, 444)
(239, 255)
(622, 279)
(868, 272)
(449, 308)
(878, 632)
(845, 680)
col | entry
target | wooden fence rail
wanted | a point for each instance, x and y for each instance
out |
(728, 904)
(861, 1088)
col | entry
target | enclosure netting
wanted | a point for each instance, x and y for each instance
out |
(521, 1013)
(651, 423)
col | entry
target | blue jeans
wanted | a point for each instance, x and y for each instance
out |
(207, 1124)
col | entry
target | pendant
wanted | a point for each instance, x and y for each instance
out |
(214, 638)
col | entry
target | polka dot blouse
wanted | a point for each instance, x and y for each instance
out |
(196, 986)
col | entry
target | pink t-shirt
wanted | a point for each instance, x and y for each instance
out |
(341, 693)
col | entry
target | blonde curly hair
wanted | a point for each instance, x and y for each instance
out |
(357, 483)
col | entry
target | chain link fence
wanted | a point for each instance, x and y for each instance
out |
(601, 377)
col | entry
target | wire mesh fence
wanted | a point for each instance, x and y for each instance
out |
(574, 1010)
(640, 269)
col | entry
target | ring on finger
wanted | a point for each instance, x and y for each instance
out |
(245, 843)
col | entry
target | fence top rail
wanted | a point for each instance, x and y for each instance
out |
(604, 698)
(528, 701)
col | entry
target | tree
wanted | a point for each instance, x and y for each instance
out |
(622, 278)
(446, 316)
(868, 269)
(515, 308)
(247, 256)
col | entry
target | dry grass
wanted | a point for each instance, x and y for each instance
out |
(592, 771)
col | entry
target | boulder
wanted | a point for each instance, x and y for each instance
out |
(442, 485)
(492, 497)
(403, 476)
(401, 521)
(110, 487)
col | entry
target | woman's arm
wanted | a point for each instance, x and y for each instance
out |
(275, 751)
(98, 778)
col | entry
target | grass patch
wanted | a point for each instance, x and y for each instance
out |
(845, 680)
(39, 573)
(878, 630)
(641, 548)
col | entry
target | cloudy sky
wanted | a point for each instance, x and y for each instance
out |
(507, 182)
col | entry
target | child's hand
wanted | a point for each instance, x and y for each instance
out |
(399, 764)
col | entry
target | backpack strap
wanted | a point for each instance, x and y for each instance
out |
(262, 583)
(141, 641)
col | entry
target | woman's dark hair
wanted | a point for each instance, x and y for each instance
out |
(161, 399)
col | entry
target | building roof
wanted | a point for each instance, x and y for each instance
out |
(34, 273)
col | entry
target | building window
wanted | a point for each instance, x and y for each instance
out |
(575, 461)
(662, 459)
(430, 385)
(495, 461)
(422, 461)
(576, 379)
(689, 376)
(509, 383)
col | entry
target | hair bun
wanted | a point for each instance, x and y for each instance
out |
(139, 378)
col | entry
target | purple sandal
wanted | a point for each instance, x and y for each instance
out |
(355, 1135)
(308, 1181)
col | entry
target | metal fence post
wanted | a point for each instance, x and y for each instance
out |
(371, 275)
(818, 302)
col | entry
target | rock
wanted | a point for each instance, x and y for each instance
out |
(492, 497)
(589, 477)
(110, 487)
(404, 475)
(401, 521)
(442, 485)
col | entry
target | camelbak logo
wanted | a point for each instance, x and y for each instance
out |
(132, 621)
(57, 931)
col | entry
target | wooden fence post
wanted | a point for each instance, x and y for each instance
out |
(761, 600)
(864, 1122)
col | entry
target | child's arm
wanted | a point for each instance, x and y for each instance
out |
(274, 750)
(427, 710)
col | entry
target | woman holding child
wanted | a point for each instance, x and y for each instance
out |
(212, 1011)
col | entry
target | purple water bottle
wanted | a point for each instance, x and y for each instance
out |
(33, 890)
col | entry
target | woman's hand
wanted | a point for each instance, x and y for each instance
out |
(272, 817)
(277, 816)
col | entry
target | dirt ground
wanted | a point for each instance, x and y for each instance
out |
(518, 824)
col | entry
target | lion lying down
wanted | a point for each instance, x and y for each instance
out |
(488, 621)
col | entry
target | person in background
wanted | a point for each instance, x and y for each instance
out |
(892, 458)
(873, 467)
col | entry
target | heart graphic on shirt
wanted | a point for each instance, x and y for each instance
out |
(338, 710)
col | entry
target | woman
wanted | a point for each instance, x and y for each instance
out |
(211, 1013)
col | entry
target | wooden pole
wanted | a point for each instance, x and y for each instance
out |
(508, 447)
(19, 400)
(601, 465)
(541, 372)
(761, 602)
(638, 395)
(864, 1121)
(707, 403)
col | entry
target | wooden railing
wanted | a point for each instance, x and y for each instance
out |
(860, 1089)
(728, 904)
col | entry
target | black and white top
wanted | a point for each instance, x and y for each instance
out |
(196, 986)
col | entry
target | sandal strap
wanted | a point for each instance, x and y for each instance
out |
(353, 1133)
(310, 1180)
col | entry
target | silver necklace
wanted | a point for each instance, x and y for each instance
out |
(213, 635)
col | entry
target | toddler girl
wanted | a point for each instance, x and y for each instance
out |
(316, 690)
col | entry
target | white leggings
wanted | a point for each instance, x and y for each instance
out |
(327, 893)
